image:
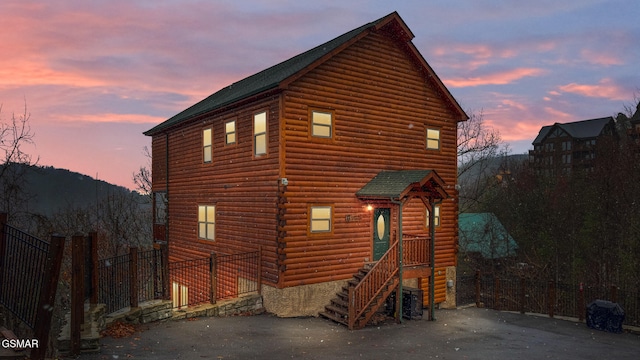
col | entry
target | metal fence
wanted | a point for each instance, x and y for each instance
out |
(123, 282)
(136, 273)
(217, 277)
(23, 264)
(544, 297)
(237, 274)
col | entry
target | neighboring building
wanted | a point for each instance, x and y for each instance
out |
(563, 148)
(632, 123)
(325, 160)
(483, 237)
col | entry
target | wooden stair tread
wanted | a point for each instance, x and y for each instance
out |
(334, 318)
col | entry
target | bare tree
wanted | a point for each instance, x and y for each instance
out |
(14, 134)
(142, 178)
(479, 147)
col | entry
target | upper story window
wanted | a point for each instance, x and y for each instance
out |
(230, 132)
(207, 147)
(207, 222)
(433, 139)
(321, 124)
(436, 216)
(320, 219)
(260, 133)
(566, 145)
(549, 146)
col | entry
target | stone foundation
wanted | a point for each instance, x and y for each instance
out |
(156, 310)
(303, 300)
(450, 299)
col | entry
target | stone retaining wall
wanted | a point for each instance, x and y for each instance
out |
(96, 320)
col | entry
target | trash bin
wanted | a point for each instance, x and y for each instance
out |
(411, 303)
(605, 315)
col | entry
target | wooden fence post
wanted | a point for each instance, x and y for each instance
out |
(93, 239)
(614, 293)
(581, 306)
(478, 288)
(166, 283)
(48, 296)
(496, 294)
(259, 281)
(133, 277)
(77, 292)
(523, 295)
(552, 298)
(213, 261)
(3, 240)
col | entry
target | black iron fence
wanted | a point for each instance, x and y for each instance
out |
(131, 278)
(23, 264)
(29, 273)
(126, 280)
(544, 297)
(217, 277)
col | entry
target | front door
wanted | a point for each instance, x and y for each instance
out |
(381, 232)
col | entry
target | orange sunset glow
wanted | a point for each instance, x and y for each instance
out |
(95, 75)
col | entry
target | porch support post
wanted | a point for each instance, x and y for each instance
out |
(399, 299)
(400, 262)
(432, 260)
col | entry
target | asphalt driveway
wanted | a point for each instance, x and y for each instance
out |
(468, 333)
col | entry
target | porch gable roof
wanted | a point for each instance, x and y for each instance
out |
(398, 185)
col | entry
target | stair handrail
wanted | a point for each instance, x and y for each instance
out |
(381, 274)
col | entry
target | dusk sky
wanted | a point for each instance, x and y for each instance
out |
(96, 74)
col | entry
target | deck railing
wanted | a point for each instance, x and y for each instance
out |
(415, 250)
(380, 276)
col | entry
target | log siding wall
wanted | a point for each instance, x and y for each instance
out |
(382, 103)
(242, 186)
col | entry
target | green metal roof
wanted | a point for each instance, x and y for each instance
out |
(395, 185)
(483, 233)
(277, 75)
(265, 80)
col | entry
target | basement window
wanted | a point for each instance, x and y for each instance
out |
(207, 222)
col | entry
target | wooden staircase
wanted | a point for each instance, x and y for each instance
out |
(366, 293)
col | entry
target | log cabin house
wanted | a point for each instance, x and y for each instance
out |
(334, 162)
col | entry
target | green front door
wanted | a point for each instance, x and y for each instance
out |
(381, 232)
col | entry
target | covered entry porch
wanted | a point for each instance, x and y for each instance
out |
(396, 255)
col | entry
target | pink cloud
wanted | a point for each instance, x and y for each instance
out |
(111, 118)
(601, 58)
(498, 78)
(605, 88)
(558, 115)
